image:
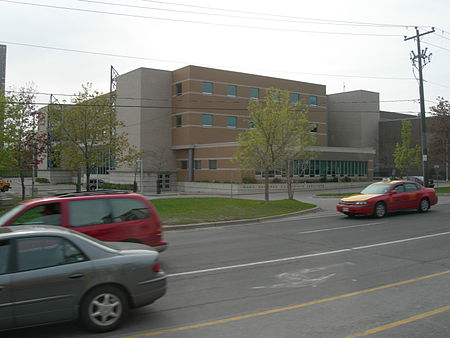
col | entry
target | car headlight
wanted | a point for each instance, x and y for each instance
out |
(361, 203)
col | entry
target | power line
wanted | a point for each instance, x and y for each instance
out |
(188, 108)
(71, 50)
(283, 16)
(430, 44)
(200, 22)
(288, 19)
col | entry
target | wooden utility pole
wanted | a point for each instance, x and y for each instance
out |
(421, 55)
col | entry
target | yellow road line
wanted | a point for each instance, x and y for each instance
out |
(293, 307)
(401, 322)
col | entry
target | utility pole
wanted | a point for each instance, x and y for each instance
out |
(421, 55)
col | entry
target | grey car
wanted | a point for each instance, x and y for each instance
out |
(51, 274)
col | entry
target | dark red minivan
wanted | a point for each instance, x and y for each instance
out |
(116, 216)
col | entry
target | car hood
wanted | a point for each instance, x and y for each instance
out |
(359, 197)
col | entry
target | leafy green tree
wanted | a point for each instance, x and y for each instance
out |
(440, 128)
(405, 156)
(280, 131)
(24, 145)
(86, 132)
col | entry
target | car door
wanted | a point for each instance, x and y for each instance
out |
(399, 197)
(51, 275)
(6, 312)
(92, 217)
(412, 189)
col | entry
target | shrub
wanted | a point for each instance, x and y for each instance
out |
(277, 180)
(117, 186)
(249, 180)
(42, 180)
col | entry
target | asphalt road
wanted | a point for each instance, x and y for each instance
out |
(318, 275)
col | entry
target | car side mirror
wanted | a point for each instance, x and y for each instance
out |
(392, 192)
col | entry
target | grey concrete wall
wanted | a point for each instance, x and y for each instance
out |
(353, 119)
(144, 105)
(156, 120)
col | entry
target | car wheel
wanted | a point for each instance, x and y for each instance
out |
(380, 210)
(103, 309)
(92, 187)
(350, 215)
(424, 205)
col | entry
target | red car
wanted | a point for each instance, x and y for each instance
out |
(382, 197)
(115, 216)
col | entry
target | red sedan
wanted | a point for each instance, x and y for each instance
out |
(382, 197)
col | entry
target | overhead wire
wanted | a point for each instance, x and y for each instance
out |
(269, 17)
(200, 22)
(184, 62)
(280, 16)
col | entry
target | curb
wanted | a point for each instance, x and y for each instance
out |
(238, 221)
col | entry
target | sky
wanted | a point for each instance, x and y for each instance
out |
(58, 45)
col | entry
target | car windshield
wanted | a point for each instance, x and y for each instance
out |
(376, 188)
(14, 211)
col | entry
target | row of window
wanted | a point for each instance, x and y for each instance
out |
(311, 168)
(324, 168)
(207, 121)
(212, 164)
(254, 93)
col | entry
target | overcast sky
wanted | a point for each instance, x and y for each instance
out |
(345, 45)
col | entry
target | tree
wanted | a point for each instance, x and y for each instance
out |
(280, 131)
(23, 144)
(86, 132)
(405, 156)
(440, 128)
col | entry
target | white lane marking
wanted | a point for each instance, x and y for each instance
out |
(256, 263)
(230, 267)
(304, 277)
(401, 241)
(341, 228)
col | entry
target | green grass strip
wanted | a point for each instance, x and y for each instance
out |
(175, 211)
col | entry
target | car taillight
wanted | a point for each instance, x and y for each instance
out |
(156, 267)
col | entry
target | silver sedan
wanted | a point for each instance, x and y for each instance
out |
(50, 274)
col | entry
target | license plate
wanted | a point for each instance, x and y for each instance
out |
(345, 209)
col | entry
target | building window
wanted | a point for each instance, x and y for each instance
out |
(295, 97)
(231, 90)
(178, 121)
(184, 164)
(313, 100)
(207, 87)
(197, 164)
(231, 121)
(179, 89)
(314, 127)
(212, 164)
(254, 93)
(207, 120)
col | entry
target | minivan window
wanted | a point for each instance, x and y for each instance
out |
(89, 212)
(4, 256)
(127, 209)
(46, 214)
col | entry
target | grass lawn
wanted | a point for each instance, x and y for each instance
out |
(212, 209)
(342, 194)
(443, 190)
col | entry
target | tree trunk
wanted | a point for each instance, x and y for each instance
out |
(22, 181)
(88, 178)
(266, 187)
(289, 180)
